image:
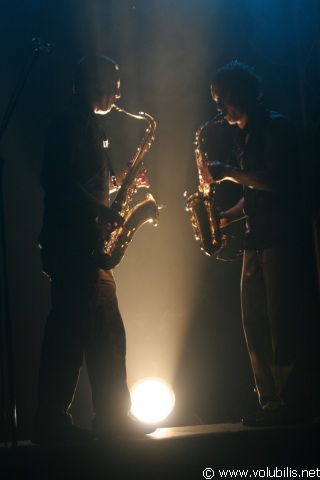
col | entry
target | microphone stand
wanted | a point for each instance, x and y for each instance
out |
(6, 339)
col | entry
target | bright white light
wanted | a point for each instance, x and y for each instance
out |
(152, 400)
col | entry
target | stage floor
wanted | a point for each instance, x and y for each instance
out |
(201, 451)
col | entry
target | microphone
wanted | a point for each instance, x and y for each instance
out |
(42, 46)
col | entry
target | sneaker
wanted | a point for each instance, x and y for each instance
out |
(277, 417)
(62, 435)
(126, 428)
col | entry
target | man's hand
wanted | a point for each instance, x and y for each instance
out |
(213, 172)
(223, 219)
(141, 180)
(109, 218)
(233, 214)
(217, 171)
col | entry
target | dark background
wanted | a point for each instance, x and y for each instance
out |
(181, 309)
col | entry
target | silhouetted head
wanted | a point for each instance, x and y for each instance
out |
(239, 82)
(97, 82)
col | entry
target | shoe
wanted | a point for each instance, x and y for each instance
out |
(126, 428)
(263, 418)
(274, 418)
(62, 435)
(133, 428)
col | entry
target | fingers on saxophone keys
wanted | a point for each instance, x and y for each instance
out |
(112, 225)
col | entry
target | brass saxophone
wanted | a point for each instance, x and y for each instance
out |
(115, 245)
(202, 204)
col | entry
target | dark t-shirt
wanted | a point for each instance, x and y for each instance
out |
(272, 148)
(75, 171)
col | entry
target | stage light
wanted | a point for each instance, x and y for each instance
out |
(152, 400)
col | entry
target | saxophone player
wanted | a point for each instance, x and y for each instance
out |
(84, 321)
(274, 277)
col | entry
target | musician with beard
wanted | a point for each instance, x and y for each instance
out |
(274, 276)
(84, 321)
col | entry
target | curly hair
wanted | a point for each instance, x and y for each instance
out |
(240, 83)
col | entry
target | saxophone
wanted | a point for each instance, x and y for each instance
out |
(202, 205)
(114, 246)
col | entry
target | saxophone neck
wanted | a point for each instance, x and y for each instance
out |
(150, 131)
(219, 118)
(138, 115)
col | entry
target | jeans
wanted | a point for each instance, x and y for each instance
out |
(84, 323)
(272, 293)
